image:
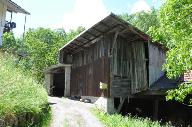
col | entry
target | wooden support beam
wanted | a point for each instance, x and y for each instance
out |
(104, 24)
(129, 26)
(92, 34)
(85, 38)
(122, 100)
(114, 42)
(91, 41)
(155, 109)
(102, 32)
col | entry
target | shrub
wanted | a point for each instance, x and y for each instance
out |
(19, 92)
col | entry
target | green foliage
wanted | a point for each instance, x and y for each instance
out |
(19, 93)
(142, 20)
(175, 30)
(44, 119)
(9, 42)
(39, 49)
(181, 93)
(117, 120)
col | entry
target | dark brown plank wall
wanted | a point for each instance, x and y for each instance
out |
(90, 67)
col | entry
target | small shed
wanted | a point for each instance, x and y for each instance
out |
(57, 80)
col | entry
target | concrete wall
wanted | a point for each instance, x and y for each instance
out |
(3, 10)
(106, 104)
(67, 81)
(48, 82)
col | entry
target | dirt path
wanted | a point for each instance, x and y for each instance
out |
(70, 113)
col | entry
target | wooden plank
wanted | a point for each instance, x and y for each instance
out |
(122, 100)
(120, 88)
(114, 41)
(140, 69)
(156, 60)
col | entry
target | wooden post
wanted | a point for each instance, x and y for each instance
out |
(155, 109)
(67, 81)
(114, 42)
(49, 82)
(122, 100)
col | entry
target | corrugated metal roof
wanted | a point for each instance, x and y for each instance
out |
(13, 7)
(109, 24)
(165, 83)
(53, 67)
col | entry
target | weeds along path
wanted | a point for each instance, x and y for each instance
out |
(70, 113)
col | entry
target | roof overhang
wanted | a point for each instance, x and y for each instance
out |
(54, 67)
(109, 24)
(13, 7)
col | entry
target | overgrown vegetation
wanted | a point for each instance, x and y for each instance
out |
(117, 120)
(39, 49)
(19, 92)
(142, 20)
(175, 32)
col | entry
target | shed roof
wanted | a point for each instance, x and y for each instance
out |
(13, 7)
(165, 83)
(54, 67)
(109, 24)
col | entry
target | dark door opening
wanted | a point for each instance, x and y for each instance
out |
(58, 84)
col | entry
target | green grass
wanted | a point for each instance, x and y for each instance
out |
(44, 119)
(19, 92)
(117, 120)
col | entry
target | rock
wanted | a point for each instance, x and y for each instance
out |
(87, 101)
(81, 100)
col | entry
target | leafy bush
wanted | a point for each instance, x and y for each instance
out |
(117, 120)
(174, 30)
(19, 93)
(181, 93)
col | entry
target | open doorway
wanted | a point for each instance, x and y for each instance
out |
(57, 80)
(58, 84)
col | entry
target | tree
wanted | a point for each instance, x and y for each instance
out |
(142, 20)
(39, 49)
(176, 32)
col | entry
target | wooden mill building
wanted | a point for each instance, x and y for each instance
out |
(113, 63)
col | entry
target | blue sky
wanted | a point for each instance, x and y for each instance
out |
(69, 14)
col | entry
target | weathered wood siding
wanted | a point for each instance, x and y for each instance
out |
(129, 69)
(126, 72)
(139, 78)
(90, 67)
(156, 60)
(121, 68)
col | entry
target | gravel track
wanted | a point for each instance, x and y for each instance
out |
(71, 113)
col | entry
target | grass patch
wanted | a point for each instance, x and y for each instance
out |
(117, 120)
(44, 119)
(19, 92)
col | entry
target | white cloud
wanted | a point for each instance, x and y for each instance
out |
(140, 5)
(85, 13)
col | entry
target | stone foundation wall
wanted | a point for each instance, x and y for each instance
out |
(24, 119)
(17, 121)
